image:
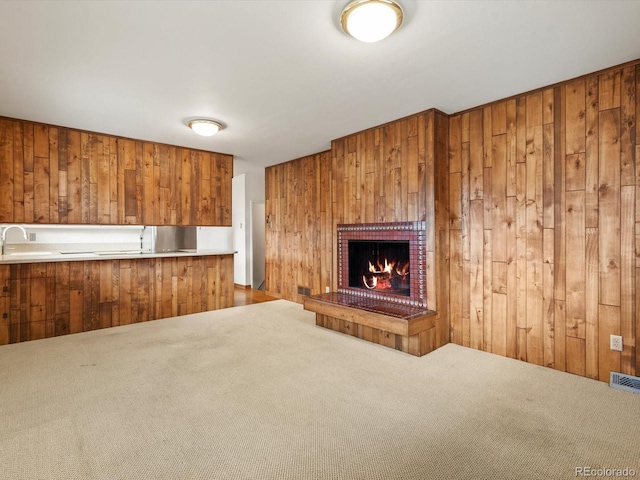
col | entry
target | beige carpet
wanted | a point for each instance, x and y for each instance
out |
(260, 392)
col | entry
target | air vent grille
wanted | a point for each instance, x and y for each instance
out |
(628, 383)
(304, 291)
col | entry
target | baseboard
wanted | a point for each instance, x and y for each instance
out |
(242, 287)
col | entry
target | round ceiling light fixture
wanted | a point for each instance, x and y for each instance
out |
(204, 127)
(371, 20)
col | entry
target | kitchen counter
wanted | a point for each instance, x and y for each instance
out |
(51, 294)
(44, 257)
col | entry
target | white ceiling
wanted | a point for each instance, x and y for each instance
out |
(281, 75)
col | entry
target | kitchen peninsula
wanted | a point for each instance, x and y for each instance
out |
(44, 298)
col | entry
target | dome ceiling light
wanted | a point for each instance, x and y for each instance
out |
(371, 20)
(204, 127)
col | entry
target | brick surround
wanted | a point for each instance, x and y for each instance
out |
(413, 232)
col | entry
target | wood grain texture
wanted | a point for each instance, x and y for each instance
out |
(43, 300)
(400, 326)
(570, 232)
(299, 239)
(395, 172)
(52, 174)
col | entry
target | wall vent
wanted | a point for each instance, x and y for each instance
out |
(304, 291)
(628, 383)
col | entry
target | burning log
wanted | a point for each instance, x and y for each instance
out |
(387, 277)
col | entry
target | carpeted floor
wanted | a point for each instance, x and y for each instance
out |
(260, 392)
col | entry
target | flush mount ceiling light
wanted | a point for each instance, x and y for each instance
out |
(371, 20)
(206, 128)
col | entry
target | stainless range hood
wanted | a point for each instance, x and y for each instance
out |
(169, 239)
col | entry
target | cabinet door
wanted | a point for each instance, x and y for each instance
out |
(6, 171)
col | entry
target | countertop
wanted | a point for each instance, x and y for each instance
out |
(74, 257)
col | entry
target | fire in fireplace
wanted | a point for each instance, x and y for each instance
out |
(380, 265)
(385, 261)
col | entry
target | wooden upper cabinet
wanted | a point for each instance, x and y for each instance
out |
(59, 175)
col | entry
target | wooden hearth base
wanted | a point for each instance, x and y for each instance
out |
(396, 326)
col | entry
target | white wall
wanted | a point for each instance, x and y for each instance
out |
(254, 194)
(215, 238)
(247, 187)
(239, 228)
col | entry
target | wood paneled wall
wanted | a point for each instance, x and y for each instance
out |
(545, 225)
(51, 174)
(299, 239)
(395, 172)
(40, 300)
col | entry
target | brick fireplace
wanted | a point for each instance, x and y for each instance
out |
(382, 287)
(383, 261)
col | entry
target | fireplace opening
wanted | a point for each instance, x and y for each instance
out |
(380, 266)
(374, 261)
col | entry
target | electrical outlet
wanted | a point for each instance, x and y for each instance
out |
(327, 289)
(32, 236)
(616, 342)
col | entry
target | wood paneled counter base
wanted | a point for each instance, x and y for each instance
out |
(41, 300)
(396, 326)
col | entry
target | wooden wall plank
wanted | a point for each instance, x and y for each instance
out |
(609, 93)
(592, 153)
(18, 171)
(499, 324)
(476, 158)
(487, 291)
(512, 278)
(575, 117)
(511, 147)
(521, 261)
(534, 222)
(576, 356)
(548, 180)
(476, 276)
(576, 254)
(41, 210)
(74, 177)
(609, 207)
(6, 171)
(499, 198)
(455, 296)
(627, 126)
(627, 279)
(54, 175)
(548, 320)
(591, 302)
(559, 197)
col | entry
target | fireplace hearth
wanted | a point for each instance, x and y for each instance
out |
(383, 261)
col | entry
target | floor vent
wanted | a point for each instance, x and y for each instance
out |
(628, 383)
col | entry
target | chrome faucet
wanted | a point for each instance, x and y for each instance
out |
(4, 236)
